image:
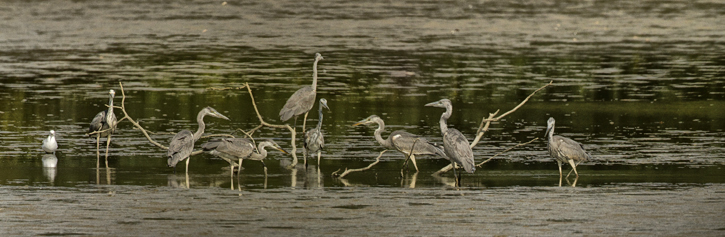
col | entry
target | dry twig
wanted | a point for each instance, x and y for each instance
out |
(348, 171)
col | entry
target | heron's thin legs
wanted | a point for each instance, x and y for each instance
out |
(412, 159)
(239, 171)
(455, 175)
(108, 143)
(573, 166)
(231, 176)
(577, 164)
(187, 164)
(265, 168)
(98, 153)
(319, 153)
(304, 122)
(560, 174)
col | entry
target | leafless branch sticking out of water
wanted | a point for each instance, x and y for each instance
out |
(348, 171)
(486, 122)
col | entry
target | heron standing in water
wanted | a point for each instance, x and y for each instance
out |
(238, 149)
(402, 141)
(314, 140)
(183, 143)
(455, 144)
(104, 121)
(302, 100)
(49, 144)
(564, 150)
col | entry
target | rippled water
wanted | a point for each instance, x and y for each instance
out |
(640, 83)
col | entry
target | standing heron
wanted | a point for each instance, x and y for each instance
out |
(104, 121)
(314, 140)
(402, 141)
(183, 143)
(455, 144)
(302, 100)
(238, 149)
(565, 150)
(49, 144)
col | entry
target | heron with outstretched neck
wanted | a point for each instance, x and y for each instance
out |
(302, 100)
(50, 145)
(183, 142)
(402, 141)
(104, 121)
(238, 149)
(455, 144)
(314, 139)
(564, 150)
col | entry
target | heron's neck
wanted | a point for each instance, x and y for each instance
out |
(314, 76)
(444, 119)
(262, 152)
(109, 114)
(551, 133)
(379, 137)
(319, 122)
(200, 121)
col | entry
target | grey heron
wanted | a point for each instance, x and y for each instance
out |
(402, 141)
(238, 149)
(303, 99)
(564, 150)
(49, 143)
(104, 121)
(183, 142)
(314, 139)
(455, 144)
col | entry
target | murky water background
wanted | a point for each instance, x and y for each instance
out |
(641, 84)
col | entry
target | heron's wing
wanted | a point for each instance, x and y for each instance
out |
(97, 122)
(457, 148)
(239, 147)
(314, 140)
(403, 141)
(180, 147)
(300, 102)
(570, 149)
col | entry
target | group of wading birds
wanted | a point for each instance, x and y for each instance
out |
(455, 147)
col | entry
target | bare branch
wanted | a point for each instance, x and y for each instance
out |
(348, 171)
(504, 151)
(227, 88)
(487, 121)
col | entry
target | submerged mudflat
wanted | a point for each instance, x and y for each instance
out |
(623, 209)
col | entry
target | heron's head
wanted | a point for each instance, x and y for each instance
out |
(318, 57)
(323, 103)
(440, 104)
(369, 120)
(549, 125)
(271, 143)
(52, 132)
(212, 112)
(112, 93)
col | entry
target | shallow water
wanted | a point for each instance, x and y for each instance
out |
(640, 84)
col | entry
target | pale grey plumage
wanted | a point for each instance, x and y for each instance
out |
(50, 145)
(564, 150)
(402, 141)
(314, 139)
(105, 119)
(182, 144)
(303, 99)
(50, 161)
(238, 149)
(455, 144)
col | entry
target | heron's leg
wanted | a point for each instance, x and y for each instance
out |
(304, 154)
(304, 122)
(455, 176)
(108, 143)
(265, 168)
(239, 171)
(572, 170)
(319, 153)
(560, 174)
(573, 166)
(231, 176)
(98, 153)
(187, 164)
(412, 159)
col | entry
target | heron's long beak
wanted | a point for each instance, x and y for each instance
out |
(431, 103)
(218, 115)
(325, 106)
(548, 129)
(282, 150)
(361, 122)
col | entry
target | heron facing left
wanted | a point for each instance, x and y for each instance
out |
(183, 142)
(49, 144)
(314, 139)
(564, 150)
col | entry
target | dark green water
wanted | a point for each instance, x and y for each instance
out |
(640, 84)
